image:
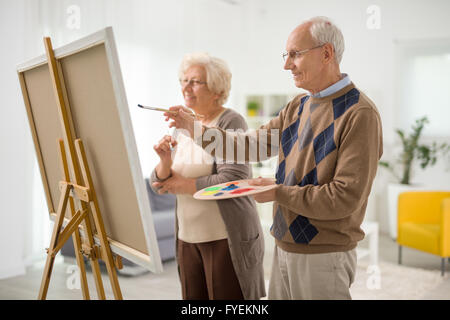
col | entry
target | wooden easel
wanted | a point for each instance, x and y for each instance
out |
(79, 193)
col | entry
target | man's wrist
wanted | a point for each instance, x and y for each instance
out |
(279, 193)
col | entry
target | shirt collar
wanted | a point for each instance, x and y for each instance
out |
(345, 81)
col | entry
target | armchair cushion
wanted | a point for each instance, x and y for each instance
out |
(423, 237)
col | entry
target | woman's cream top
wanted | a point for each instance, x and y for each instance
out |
(198, 220)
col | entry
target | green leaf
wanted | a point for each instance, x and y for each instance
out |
(427, 154)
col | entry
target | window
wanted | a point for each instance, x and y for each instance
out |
(424, 86)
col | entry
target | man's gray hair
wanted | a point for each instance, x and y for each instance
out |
(218, 75)
(323, 30)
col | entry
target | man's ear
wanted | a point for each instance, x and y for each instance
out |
(328, 52)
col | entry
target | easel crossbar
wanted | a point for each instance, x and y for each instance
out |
(70, 228)
(83, 193)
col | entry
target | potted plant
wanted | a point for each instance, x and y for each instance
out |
(252, 108)
(401, 168)
(412, 150)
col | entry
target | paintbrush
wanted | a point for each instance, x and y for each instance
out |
(157, 109)
(166, 110)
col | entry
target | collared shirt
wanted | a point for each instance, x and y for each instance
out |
(345, 81)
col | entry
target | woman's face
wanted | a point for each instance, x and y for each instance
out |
(196, 94)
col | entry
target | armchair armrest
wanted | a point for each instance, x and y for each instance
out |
(445, 227)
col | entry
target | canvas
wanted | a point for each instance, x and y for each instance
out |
(94, 93)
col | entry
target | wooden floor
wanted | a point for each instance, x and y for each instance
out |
(166, 285)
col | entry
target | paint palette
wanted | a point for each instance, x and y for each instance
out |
(232, 189)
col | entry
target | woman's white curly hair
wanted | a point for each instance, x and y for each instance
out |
(218, 75)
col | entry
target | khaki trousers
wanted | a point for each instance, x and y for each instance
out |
(321, 276)
(207, 272)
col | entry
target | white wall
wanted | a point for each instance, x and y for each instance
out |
(152, 37)
(17, 153)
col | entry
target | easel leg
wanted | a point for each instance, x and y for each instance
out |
(76, 236)
(51, 254)
(97, 273)
(106, 250)
(81, 266)
(46, 277)
(95, 266)
(77, 240)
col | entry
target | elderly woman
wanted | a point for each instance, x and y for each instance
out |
(220, 244)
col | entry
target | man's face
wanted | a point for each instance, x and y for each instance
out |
(308, 67)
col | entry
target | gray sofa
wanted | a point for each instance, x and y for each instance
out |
(163, 213)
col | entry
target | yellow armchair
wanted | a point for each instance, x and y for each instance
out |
(423, 223)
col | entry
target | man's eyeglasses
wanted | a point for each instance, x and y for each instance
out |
(192, 82)
(296, 54)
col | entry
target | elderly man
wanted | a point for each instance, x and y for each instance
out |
(330, 143)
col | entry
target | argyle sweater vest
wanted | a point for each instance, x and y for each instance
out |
(328, 153)
(328, 158)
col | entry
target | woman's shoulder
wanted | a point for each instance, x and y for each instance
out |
(231, 119)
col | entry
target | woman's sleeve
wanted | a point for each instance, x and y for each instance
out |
(154, 178)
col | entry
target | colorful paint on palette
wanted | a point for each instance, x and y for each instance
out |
(242, 190)
(213, 189)
(209, 193)
(230, 187)
(218, 194)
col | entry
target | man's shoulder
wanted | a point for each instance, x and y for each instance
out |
(354, 101)
(366, 102)
(292, 107)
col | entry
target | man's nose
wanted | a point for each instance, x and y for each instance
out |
(287, 64)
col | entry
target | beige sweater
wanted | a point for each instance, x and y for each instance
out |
(328, 158)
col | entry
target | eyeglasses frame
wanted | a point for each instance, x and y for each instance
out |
(193, 83)
(298, 53)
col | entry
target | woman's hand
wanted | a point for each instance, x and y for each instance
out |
(164, 151)
(182, 117)
(266, 196)
(176, 184)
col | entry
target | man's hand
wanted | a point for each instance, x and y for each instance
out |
(266, 196)
(176, 184)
